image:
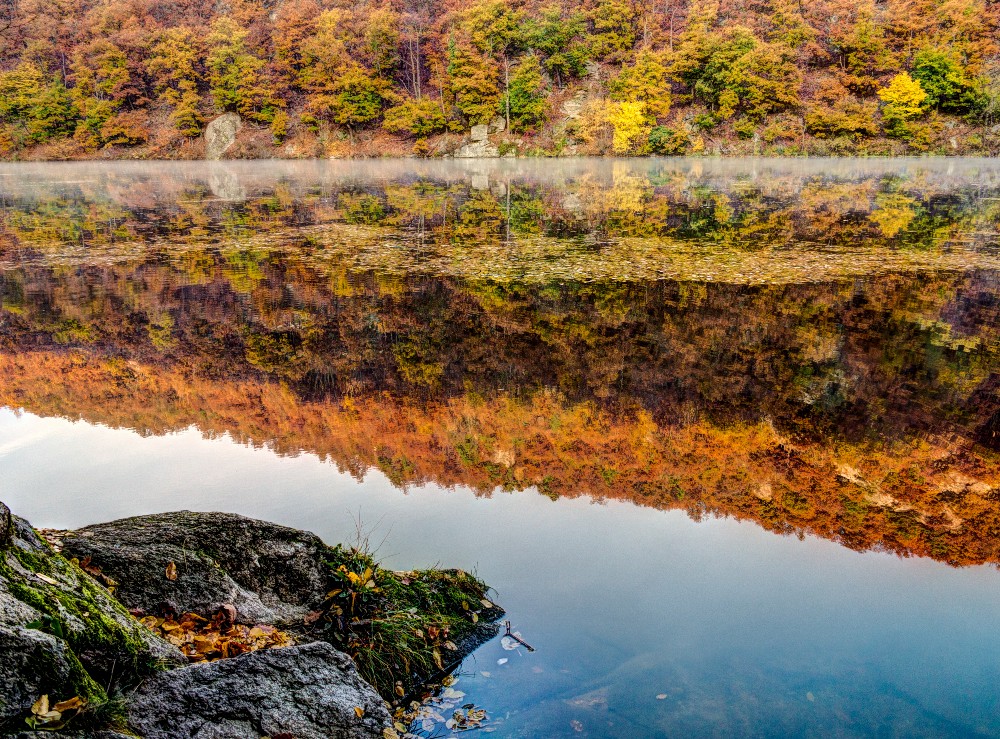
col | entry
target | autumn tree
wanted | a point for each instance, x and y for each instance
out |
(615, 24)
(175, 63)
(102, 86)
(904, 100)
(418, 118)
(236, 76)
(645, 79)
(473, 83)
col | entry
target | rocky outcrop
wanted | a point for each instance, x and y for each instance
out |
(61, 633)
(271, 574)
(479, 146)
(220, 134)
(308, 692)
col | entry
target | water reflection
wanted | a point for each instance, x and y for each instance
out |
(863, 410)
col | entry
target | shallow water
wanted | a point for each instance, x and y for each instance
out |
(722, 435)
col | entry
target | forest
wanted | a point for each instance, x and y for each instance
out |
(328, 78)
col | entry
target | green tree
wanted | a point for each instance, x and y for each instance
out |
(945, 82)
(560, 40)
(354, 99)
(526, 94)
(743, 74)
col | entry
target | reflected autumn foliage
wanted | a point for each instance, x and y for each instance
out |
(861, 409)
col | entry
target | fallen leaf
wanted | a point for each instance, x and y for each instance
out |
(41, 705)
(390, 733)
(451, 645)
(171, 572)
(486, 603)
(661, 697)
(502, 661)
(46, 579)
(73, 704)
(359, 710)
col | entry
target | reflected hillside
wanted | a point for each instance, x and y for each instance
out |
(370, 321)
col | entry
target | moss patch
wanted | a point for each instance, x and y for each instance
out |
(401, 628)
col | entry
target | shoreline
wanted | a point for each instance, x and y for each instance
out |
(112, 627)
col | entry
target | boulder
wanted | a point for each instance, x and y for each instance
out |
(270, 573)
(498, 125)
(220, 134)
(480, 133)
(308, 692)
(62, 634)
(478, 150)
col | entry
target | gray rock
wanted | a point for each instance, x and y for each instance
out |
(498, 125)
(32, 664)
(6, 527)
(478, 150)
(270, 573)
(220, 134)
(480, 133)
(309, 691)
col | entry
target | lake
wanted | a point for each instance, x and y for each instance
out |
(722, 435)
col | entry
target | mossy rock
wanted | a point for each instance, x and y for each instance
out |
(62, 634)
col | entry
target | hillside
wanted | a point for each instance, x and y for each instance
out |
(140, 78)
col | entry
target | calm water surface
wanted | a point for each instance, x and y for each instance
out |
(722, 435)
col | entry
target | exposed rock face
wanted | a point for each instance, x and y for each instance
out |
(220, 134)
(270, 573)
(61, 633)
(479, 146)
(309, 692)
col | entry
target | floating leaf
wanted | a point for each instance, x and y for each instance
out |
(661, 697)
